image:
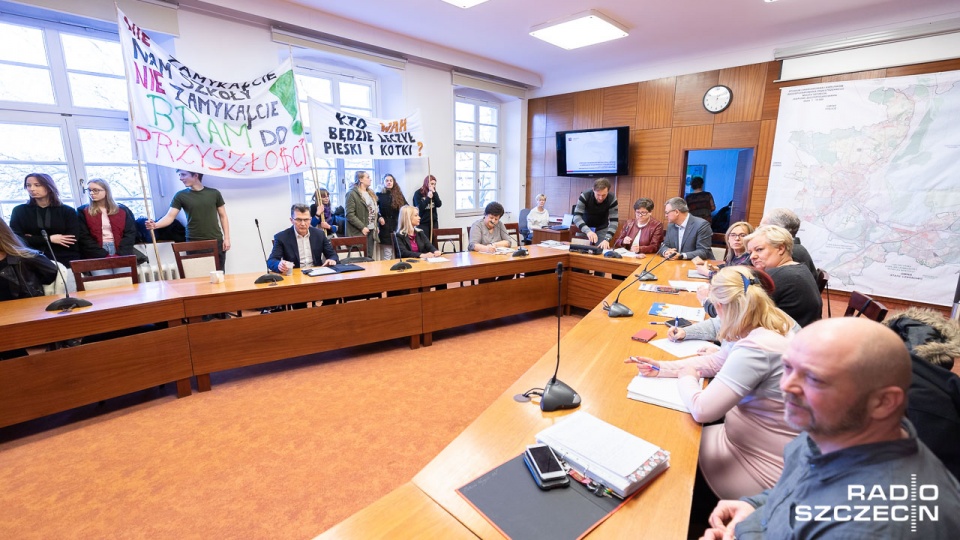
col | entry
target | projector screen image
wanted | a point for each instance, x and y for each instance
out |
(593, 152)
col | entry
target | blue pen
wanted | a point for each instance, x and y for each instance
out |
(676, 322)
(648, 364)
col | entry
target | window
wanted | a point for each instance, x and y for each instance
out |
(63, 107)
(477, 160)
(341, 92)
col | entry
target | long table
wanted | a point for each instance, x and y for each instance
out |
(410, 304)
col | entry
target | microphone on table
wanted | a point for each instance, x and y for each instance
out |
(648, 275)
(269, 277)
(556, 394)
(617, 309)
(66, 303)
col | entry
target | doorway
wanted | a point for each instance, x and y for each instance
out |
(727, 175)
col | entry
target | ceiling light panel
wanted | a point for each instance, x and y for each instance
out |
(580, 30)
(464, 3)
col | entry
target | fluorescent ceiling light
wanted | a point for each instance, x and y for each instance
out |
(465, 3)
(579, 30)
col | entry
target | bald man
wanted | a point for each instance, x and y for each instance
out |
(858, 469)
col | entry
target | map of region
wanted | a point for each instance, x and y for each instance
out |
(873, 170)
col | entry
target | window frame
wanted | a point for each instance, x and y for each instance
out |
(476, 148)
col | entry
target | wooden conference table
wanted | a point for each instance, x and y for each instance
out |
(592, 355)
(414, 308)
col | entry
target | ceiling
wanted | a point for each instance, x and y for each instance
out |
(667, 37)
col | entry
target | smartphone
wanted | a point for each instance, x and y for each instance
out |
(545, 467)
(644, 336)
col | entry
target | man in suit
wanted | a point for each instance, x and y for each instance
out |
(687, 235)
(300, 246)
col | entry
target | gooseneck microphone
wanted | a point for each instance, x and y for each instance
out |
(617, 309)
(556, 394)
(269, 277)
(66, 303)
(648, 275)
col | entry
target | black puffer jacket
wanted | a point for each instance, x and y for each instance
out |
(24, 277)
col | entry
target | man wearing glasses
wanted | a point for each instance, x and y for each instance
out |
(687, 236)
(300, 246)
(643, 234)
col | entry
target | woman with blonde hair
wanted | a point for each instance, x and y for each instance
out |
(411, 240)
(362, 212)
(106, 228)
(744, 455)
(771, 250)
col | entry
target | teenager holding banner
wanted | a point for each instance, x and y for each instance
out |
(322, 213)
(427, 200)
(362, 212)
(391, 199)
(203, 206)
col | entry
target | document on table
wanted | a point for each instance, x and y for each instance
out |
(623, 252)
(657, 391)
(681, 349)
(691, 286)
(662, 309)
(693, 274)
(553, 244)
(437, 259)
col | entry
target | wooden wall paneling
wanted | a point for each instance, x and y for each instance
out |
(758, 199)
(620, 106)
(736, 135)
(768, 129)
(536, 153)
(747, 84)
(857, 76)
(588, 109)
(688, 102)
(537, 118)
(771, 91)
(624, 200)
(929, 67)
(651, 152)
(550, 155)
(557, 190)
(687, 138)
(655, 189)
(655, 103)
(535, 186)
(559, 114)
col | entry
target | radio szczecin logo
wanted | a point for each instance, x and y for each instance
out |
(904, 503)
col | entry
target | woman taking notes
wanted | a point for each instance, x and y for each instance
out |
(744, 455)
(412, 241)
(362, 212)
(487, 233)
(106, 228)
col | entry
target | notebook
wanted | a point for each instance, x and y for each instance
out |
(663, 392)
(335, 269)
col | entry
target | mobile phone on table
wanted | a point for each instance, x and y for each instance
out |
(545, 467)
(644, 336)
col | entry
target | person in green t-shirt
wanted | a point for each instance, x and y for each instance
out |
(206, 213)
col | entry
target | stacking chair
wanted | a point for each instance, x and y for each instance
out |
(348, 245)
(83, 270)
(861, 304)
(197, 259)
(823, 280)
(514, 229)
(448, 238)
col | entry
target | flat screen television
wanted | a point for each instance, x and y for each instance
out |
(593, 152)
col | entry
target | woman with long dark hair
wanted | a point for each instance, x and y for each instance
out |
(390, 201)
(427, 201)
(362, 212)
(45, 212)
(106, 228)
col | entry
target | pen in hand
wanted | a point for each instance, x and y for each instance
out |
(637, 360)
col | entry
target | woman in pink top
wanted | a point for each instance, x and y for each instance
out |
(744, 455)
(106, 228)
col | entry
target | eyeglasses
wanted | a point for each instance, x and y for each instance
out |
(642, 214)
(302, 220)
(668, 212)
(95, 190)
(737, 235)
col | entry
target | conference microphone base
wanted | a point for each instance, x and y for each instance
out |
(618, 310)
(557, 395)
(269, 278)
(647, 276)
(66, 304)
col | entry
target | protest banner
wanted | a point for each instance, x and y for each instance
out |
(338, 134)
(183, 120)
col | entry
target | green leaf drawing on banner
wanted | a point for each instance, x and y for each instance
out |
(285, 89)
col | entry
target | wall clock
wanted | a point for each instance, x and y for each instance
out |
(717, 99)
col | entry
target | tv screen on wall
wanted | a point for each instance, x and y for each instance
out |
(593, 152)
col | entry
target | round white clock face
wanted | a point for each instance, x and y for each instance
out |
(717, 98)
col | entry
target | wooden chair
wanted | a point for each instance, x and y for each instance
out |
(823, 279)
(443, 238)
(83, 272)
(861, 304)
(514, 229)
(351, 247)
(198, 258)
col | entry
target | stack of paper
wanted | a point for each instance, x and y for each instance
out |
(657, 391)
(622, 462)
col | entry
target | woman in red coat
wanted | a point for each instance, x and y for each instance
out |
(643, 234)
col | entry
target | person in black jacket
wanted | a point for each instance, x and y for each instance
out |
(427, 201)
(390, 200)
(23, 273)
(286, 254)
(45, 212)
(413, 242)
(106, 228)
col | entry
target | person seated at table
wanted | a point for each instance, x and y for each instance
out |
(845, 384)
(643, 234)
(106, 227)
(687, 236)
(796, 292)
(23, 273)
(487, 233)
(45, 212)
(538, 217)
(322, 213)
(789, 220)
(411, 240)
(743, 455)
(300, 246)
(597, 213)
(737, 253)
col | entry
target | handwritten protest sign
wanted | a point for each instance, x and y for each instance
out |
(183, 120)
(338, 134)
